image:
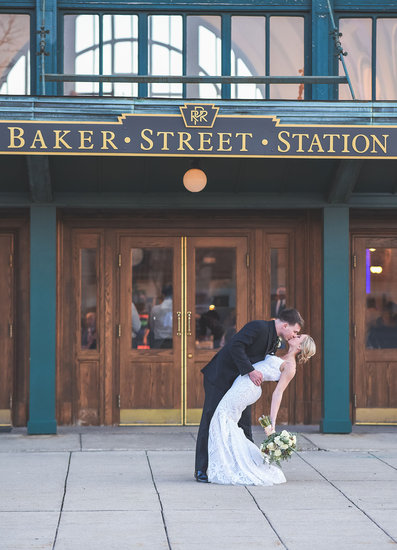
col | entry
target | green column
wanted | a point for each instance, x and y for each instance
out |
(42, 320)
(336, 394)
(321, 48)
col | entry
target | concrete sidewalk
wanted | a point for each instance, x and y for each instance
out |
(133, 488)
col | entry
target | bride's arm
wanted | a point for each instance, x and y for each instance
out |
(285, 378)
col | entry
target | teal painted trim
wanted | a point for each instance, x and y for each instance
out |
(226, 52)
(321, 47)
(41, 428)
(42, 319)
(335, 427)
(336, 378)
(143, 54)
(50, 60)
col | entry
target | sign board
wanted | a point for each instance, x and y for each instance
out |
(199, 130)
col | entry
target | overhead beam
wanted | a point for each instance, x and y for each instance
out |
(344, 182)
(40, 188)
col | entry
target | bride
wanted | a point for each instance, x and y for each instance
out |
(234, 459)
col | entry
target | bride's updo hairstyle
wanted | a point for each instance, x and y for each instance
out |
(308, 349)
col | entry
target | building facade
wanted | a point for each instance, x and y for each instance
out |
(118, 284)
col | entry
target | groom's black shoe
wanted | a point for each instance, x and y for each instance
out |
(201, 477)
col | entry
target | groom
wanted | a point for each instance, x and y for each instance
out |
(251, 344)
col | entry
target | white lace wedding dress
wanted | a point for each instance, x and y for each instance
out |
(232, 458)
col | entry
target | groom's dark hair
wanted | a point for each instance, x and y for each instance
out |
(291, 316)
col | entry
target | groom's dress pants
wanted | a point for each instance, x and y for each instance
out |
(213, 395)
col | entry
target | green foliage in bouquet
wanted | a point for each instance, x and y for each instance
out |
(277, 446)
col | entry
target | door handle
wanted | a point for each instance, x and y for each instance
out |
(189, 323)
(189, 355)
(178, 319)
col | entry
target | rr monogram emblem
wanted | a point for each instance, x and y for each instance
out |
(199, 116)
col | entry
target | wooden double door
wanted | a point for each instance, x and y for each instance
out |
(181, 299)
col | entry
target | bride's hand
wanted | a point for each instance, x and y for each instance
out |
(256, 377)
(269, 430)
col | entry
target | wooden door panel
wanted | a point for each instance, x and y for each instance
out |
(88, 393)
(150, 353)
(217, 302)
(375, 320)
(6, 328)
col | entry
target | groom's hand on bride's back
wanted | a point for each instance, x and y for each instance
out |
(256, 377)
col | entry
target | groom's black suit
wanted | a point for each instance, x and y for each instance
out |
(255, 340)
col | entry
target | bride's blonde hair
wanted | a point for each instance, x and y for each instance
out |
(308, 349)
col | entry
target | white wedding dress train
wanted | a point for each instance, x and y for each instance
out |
(232, 458)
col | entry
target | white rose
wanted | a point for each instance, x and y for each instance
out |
(271, 446)
(277, 452)
(284, 446)
(284, 433)
(277, 440)
(294, 439)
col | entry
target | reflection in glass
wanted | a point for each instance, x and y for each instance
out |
(165, 53)
(151, 307)
(88, 290)
(286, 55)
(120, 52)
(215, 313)
(81, 52)
(356, 40)
(381, 298)
(278, 281)
(203, 54)
(386, 67)
(14, 54)
(248, 55)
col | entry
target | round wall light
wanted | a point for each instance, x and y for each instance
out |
(194, 180)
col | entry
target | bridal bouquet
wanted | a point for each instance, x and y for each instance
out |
(277, 446)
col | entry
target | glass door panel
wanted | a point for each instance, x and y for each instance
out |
(150, 342)
(375, 324)
(216, 306)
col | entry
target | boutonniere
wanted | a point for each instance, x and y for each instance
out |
(278, 343)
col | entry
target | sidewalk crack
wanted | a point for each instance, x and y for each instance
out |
(267, 519)
(349, 499)
(384, 462)
(161, 504)
(63, 500)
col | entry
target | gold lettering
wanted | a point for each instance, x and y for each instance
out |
(354, 143)
(288, 146)
(206, 140)
(316, 143)
(224, 141)
(165, 139)
(331, 141)
(244, 136)
(108, 140)
(59, 139)
(184, 141)
(38, 137)
(345, 143)
(375, 139)
(14, 136)
(146, 138)
(300, 140)
(84, 138)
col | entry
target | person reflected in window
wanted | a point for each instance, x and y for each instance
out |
(210, 323)
(161, 321)
(278, 302)
(88, 334)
